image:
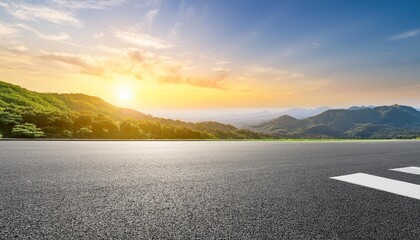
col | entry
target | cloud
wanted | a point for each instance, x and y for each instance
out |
(141, 39)
(150, 16)
(223, 62)
(138, 64)
(88, 4)
(175, 29)
(98, 35)
(214, 82)
(19, 48)
(405, 35)
(87, 64)
(9, 38)
(272, 73)
(167, 70)
(220, 69)
(7, 31)
(301, 88)
(28, 12)
(58, 37)
(313, 85)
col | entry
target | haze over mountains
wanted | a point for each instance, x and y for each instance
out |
(247, 119)
(396, 121)
(26, 113)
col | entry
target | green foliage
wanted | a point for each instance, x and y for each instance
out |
(12, 95)
(130, 130)
(9, 117)
(81, 116)
(27, 130)
(67, 134)
(84, 132)
(394, 121)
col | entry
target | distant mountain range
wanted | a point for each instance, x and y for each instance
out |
(25, 113)
(247, 119)
(396, 121)
(359, 107)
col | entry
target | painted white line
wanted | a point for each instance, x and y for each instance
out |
(384, 184)
(412, 170)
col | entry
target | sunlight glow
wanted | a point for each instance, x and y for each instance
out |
(124, 93)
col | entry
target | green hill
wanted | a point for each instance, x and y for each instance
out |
(13, 95)
(25, 113)
(394, 121)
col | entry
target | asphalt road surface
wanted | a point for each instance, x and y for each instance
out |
(207, 190)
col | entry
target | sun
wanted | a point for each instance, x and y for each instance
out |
(124, 93)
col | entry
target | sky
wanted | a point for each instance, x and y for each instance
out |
(196, 55)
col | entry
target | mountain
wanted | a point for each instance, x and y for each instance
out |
(25, 113)
(13, 95)
(240, 120)
(301, 113)
(247, 119)
(378, 122)
(359, 107)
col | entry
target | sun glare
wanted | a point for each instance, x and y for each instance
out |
(124, 94)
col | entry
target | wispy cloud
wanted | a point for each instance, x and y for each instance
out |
(20, 48)
(150, 16)
(9, 38)
(88, 4)
(58, 37)
(138, 64)
(222, 62)
(273, 73)
(98, 35)
(29, 12)
(175, 29)
(215, 82)
(141, 39)
(7, 31)
(87, 64)
(405, 35)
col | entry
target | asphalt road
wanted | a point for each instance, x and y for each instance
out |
(207, 190)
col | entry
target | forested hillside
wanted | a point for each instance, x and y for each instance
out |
(394, 121)
(30, 114)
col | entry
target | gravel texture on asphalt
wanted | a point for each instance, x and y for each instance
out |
(207, 190)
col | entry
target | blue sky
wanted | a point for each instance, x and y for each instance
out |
(217, 54)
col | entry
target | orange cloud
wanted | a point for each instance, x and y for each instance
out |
(141, 65)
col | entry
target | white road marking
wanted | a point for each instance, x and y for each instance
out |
(412, 170)
(384, 184)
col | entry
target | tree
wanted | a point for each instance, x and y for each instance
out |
(84, 132)
(104, 127)
(9, 117)
(129, 129)
(67, 134)
(84, 119)
(27, 130)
